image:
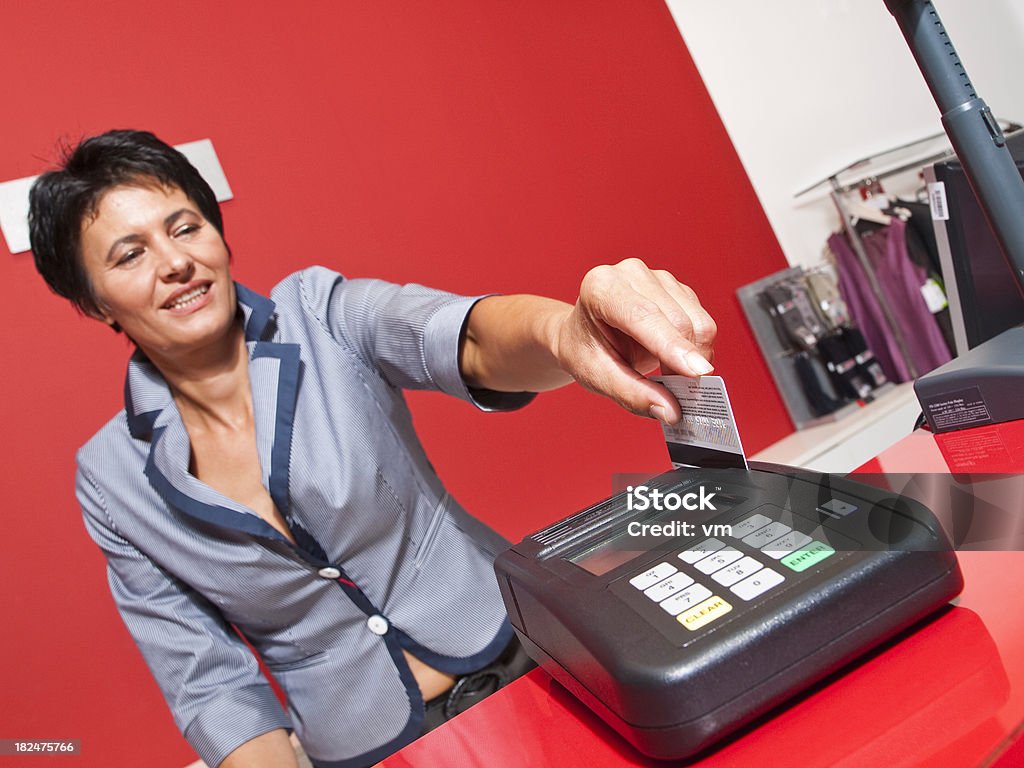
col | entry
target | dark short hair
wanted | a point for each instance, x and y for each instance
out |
(62, 199)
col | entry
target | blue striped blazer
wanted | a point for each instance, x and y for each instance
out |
(386, 561)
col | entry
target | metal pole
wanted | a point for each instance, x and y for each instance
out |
(973, 131)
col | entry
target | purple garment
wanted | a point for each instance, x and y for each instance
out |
(900, 281)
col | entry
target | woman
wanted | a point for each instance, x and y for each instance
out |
(265, 475)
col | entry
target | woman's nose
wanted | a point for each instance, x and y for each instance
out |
(177, 264)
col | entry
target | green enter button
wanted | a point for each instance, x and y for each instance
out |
(804, 558)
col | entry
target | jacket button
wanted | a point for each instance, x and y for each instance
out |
(377, 624)
(330, 572)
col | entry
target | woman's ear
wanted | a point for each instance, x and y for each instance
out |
(97, 311)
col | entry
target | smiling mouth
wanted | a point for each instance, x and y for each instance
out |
(188, 298)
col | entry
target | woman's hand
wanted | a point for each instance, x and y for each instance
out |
(627, 321)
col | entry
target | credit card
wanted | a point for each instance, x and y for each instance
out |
(707, 435)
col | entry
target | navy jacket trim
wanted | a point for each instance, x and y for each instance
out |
(454, 665)
(397, 640)
(287, 396)
(207, 513)
(257, 311)
(261, 310)
(140, 425)
(413, 726)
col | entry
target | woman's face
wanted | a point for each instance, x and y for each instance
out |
(158, 269)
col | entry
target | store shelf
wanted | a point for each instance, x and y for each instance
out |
(844, 445)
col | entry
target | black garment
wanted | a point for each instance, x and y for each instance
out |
(866, 361)
(925, 251)
(923, 231)
(813, 387)
(798, 326)
(795, 324)
(847, 376)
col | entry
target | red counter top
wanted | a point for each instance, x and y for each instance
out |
(950, 693)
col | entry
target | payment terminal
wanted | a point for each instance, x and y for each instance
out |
(677, 626)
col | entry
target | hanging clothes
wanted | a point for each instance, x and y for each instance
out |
(821, 402)
(924, 251)
(900, 281)
(797, 342)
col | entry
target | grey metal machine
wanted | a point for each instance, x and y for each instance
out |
(985, 384)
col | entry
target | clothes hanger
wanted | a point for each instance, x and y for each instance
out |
(862, 209)
(871, 205)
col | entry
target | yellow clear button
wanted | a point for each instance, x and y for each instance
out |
(704, 613)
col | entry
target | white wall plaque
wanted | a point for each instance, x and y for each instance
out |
(14, 194)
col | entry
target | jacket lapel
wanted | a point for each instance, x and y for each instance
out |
(274, 376)
(153, 416)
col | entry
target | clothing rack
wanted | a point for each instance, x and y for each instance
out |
(868, 171)
(778, 359)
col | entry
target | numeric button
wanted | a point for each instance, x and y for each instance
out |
(737, 571)
(766, 535)
(668, 587)
(688, 598)
(700, 551)
(652, 576)
(758, 584)
(748, 526)
(783, 545)
(718, 560)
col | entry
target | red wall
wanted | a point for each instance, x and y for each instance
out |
(477, 146)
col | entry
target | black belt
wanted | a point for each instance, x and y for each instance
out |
(476, 686)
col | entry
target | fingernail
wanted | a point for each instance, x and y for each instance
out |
(698, 364)
(659, 413)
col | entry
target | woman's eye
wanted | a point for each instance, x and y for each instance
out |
(186, 230)
(130, 256)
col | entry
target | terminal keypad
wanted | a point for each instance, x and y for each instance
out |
(748, 564)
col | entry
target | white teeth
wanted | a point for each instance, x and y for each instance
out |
(188, 298)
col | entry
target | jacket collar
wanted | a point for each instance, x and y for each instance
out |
(146, 394)
(152, 414)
